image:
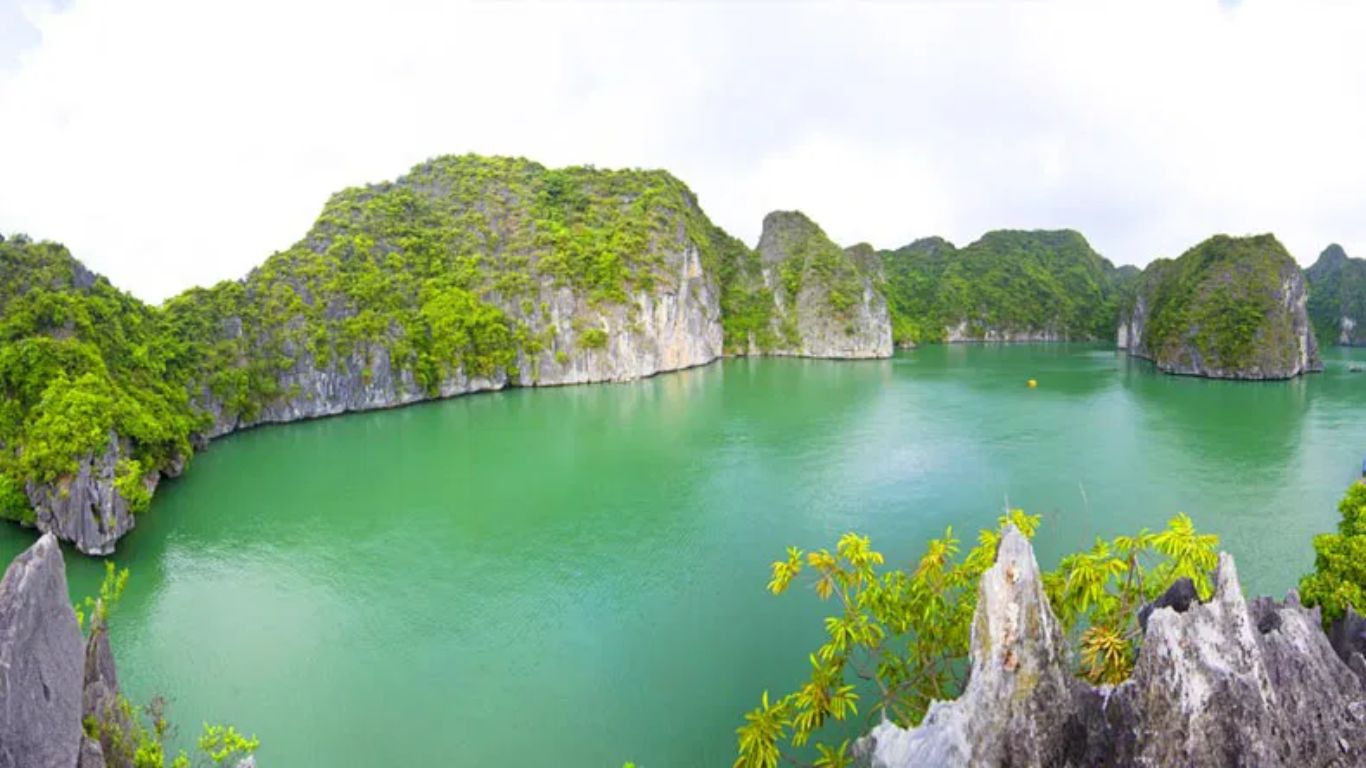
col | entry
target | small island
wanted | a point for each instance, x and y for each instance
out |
(1229, 308)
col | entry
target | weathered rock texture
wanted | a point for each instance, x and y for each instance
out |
(1223, 683)
(40, 662)
(1019, 700)
(1230, 308)
(1348, 636)
(674, 325)
(828, 302)
(85, 508)
(1337, 297)
(52, 681)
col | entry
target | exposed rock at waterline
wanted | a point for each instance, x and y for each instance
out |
(1229, 308)
(85, 508)
(828, 301)
(1223, 683)
(40, 662)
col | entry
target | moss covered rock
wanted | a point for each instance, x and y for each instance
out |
(1231, 308)
(811, 298)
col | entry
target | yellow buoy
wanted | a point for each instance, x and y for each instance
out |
(1033, 383)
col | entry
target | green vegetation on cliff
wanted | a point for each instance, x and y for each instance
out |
(1337, 297)
(1008, 283)
(797, 290)
(453, 270)
(1339, 577)
(1225, 306)
(80, 360)
(901, 636)
(447, 269)
(137, 736)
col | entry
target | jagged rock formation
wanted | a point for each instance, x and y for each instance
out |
(1007, 286)
(1230, 308)
(1223, 683)
(99, 701)
(40, 662)
(53, 683)
(1018, 703)
(1337, 297)
(86, 507)
(1348, 636)
(826, 302)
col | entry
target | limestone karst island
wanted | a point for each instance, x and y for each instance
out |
(679, 385)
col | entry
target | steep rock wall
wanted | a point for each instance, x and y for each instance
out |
(86, 507)
(828, 302)
(40, 662)
(1230, 308)
(673, 326)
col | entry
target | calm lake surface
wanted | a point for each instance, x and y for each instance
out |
(575, 576)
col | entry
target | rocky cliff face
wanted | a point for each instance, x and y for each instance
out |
(827, 302)
(86, 508)
(576, 276)
(1231, 308)
(1337, 297)
(1224, 683)
(674, 325)
(40, 663)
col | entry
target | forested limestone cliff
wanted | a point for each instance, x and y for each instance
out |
(466, 274)
(1232, 308)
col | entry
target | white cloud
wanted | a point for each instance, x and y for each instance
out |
(173, 143)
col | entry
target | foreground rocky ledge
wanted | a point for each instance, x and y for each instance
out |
(51, 679)
(1224, 683)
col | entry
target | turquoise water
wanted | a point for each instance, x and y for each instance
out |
(575, 577)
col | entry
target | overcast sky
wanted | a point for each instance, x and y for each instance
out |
(175, 142)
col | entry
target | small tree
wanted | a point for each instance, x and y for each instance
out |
(1339, 577)
(138, 738)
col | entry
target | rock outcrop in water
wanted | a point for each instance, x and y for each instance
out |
(1337, 297)
(467, 274)
(1223, 683)
(85, 507)
(1229, 308)
(827, 301)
